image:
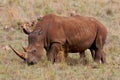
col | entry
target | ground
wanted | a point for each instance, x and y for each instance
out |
(15, 11)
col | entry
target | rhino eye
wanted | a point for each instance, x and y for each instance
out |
(37, 33)
(33, 51)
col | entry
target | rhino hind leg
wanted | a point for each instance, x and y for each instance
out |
(92, 53)
(100, 56)
(103, 57)
(99, 53)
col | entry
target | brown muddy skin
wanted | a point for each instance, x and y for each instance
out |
(67, 34)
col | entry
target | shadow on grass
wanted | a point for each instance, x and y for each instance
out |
(70, 61)
(76, 61)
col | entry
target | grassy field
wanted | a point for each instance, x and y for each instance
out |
(14, 11)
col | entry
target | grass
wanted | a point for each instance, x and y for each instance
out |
(13, 68)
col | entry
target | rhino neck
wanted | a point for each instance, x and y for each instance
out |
(46, 40)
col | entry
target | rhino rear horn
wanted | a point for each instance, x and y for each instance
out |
(24, 48)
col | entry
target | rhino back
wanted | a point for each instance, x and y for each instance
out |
(80, 34)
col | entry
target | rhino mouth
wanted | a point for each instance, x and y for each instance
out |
(31, 63)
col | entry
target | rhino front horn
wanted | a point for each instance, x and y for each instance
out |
(21, 55)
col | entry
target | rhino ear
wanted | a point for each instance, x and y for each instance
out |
(26, 31)
(33, 23)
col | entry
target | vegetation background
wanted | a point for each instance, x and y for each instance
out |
(14, 11)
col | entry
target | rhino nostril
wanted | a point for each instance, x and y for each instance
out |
(30, 63)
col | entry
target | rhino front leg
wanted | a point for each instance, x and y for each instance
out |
(53, 52)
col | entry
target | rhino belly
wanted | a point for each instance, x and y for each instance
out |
(79, 47)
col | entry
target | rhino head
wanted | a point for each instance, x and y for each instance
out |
(32, 54)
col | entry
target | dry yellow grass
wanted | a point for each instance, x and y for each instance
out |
(13, 11)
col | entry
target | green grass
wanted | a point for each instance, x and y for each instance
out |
(13, 68)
